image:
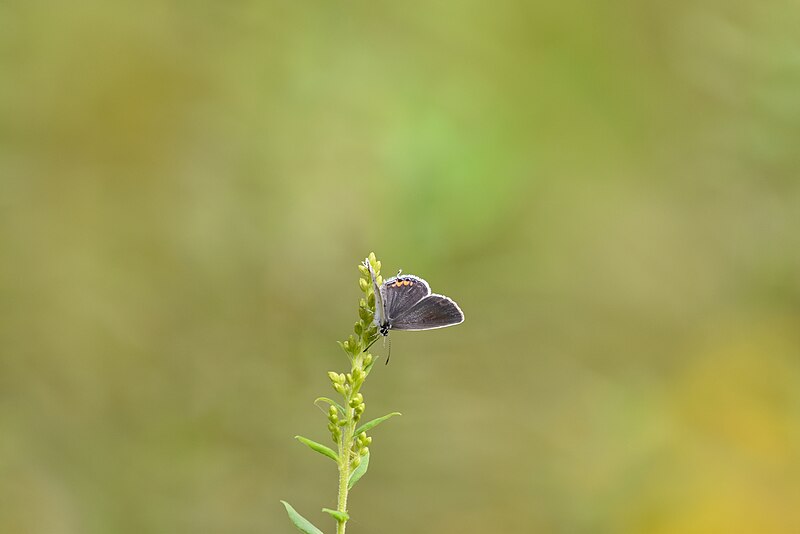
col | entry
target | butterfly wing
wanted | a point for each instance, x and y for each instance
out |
(380, 310)
(401, 293)
(434, 311)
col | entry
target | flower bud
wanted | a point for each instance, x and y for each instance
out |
(334, 378)
(368, 359)
(364, 451)
(363, 284)
(371, 300)
(356, 462)
(372, 258)
(363, 269)
(357, 399)
(339, 388)
(349, 378)
(358, 328)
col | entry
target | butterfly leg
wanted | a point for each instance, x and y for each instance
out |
(368, 346)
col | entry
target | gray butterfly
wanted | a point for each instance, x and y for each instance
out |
(405, 302)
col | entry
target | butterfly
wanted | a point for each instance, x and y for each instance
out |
(405, 302)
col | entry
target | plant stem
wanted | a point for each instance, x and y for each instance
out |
(343, 420)
(366, 332)
(344, 467)
(345, 446)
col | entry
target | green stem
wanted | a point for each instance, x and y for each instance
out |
(354, 346)
(345, 446)
(344, 467)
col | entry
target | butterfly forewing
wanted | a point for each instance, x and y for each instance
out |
(434, 311)
(401, 293)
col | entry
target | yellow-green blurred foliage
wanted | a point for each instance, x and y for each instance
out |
(610, 190)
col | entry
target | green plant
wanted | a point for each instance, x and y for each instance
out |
(351, 439)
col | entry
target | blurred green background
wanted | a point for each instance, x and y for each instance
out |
(609, 190)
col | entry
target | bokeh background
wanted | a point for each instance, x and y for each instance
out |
(610, 190)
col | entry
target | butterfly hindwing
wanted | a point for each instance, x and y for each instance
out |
(434, 311)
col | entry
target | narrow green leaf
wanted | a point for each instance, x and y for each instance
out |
(322, 449)
(302, 524)
(331, 402)
(375, 422)
(341, 517)
(359, 471)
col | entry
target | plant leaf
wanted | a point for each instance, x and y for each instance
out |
(302, 524)
(331, 402)
(375, 422)
(341, 517)
(322, 449)
(359, 471)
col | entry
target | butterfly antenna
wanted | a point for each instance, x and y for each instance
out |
(389, 355)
